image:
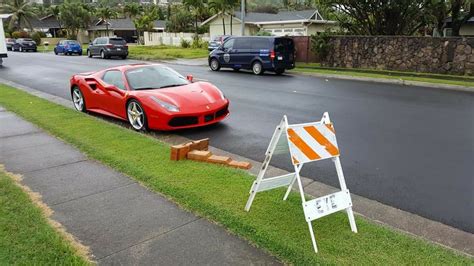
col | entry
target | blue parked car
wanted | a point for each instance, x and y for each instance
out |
(68, 47)
(258, 54)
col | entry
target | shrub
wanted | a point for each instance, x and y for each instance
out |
(20, 34)
(36, 36)
(263, 33)
(320, 44)
(198, 42)
(7, 35)
(185, 43)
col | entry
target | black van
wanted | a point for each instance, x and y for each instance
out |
(256, 53)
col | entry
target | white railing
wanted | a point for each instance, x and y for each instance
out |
(170, 38)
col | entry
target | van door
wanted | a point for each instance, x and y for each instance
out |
(241, 54)
(225, 54)
(284, 53)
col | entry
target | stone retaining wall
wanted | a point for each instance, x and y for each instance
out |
(421, 54)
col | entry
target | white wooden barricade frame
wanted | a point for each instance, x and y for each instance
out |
(315, 208)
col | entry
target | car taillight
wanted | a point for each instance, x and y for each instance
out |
(125, 45)
(109, 46)
(272, 54)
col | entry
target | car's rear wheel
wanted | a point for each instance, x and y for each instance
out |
(136, 116)
(102, 55)
(89, 54)
(214, 64)
(257, 68)
(78, 99)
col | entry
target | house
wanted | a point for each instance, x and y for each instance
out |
(283, 23)
(48, 24)
(467, 29)
(121, 27)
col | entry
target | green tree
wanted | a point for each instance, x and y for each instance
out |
(375, 17)
(461, 11)
(197, 9)
(180, 21)
(22, 12)
(74, 16)
(145, 20)
(132, 10)
(106, 13)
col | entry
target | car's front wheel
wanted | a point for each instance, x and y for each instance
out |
(257, 68)
(20, 49)
(136, 116)
(78, 99)
(214, 64)
(55, 51)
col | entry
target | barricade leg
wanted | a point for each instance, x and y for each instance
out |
(313, 239)
(342, 183)
(291, 184)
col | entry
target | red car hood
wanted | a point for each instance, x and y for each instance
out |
(190, 97)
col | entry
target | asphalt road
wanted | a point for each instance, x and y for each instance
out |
(405, 146)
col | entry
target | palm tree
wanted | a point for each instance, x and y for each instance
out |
(198, 7)
(105, 14)
(224, 7)
(21, 11)
(132, 10)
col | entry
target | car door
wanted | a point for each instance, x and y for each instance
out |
(115, 93)
(59, 47)
(225, 54)
(94, 48)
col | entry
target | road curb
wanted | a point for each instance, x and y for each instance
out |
(390, 81)
(449, 237)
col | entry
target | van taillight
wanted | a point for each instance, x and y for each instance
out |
(272, 54)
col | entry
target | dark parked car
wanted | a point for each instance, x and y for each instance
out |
(24, 45)
(68, 47)
(107, 47)
(259, 54)
(216, 42)
(9, 42)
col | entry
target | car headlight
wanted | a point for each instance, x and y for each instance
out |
(168, 106)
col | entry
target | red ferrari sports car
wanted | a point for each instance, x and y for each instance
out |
(149, 96)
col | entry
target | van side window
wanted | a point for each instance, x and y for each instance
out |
(260, 43)
(242, 43)
(229, 44)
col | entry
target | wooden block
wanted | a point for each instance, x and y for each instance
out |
(174, 153)
(203, 144)
(219, 159)
(241, 165)
(199, 155)
(183, 152)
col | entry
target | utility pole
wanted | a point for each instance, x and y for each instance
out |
(242, 17)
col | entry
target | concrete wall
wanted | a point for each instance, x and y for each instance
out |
(168, 38)
(421, 54)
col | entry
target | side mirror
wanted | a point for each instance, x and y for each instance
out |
(189, 78)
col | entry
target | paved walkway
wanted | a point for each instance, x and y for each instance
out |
(121, 221)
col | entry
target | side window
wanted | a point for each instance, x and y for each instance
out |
(96, 40)
(242, 43)
(260, 43)
(114, 77)
(229, 44)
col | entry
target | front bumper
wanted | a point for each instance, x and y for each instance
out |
(162, 121)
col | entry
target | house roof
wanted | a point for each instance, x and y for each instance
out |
(311, 15)
(49, 22)
(122, 24)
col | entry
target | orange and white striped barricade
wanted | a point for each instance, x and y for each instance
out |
(306, 143)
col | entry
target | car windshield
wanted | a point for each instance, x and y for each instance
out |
(154, 77)
(72, 42)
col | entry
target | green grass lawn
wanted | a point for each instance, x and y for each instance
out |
(467, 81)
(219, 194)
(26, 237)
(165, 52)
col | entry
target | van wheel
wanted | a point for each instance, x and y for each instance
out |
(279, 71)
(214, 65)
(257, 68)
